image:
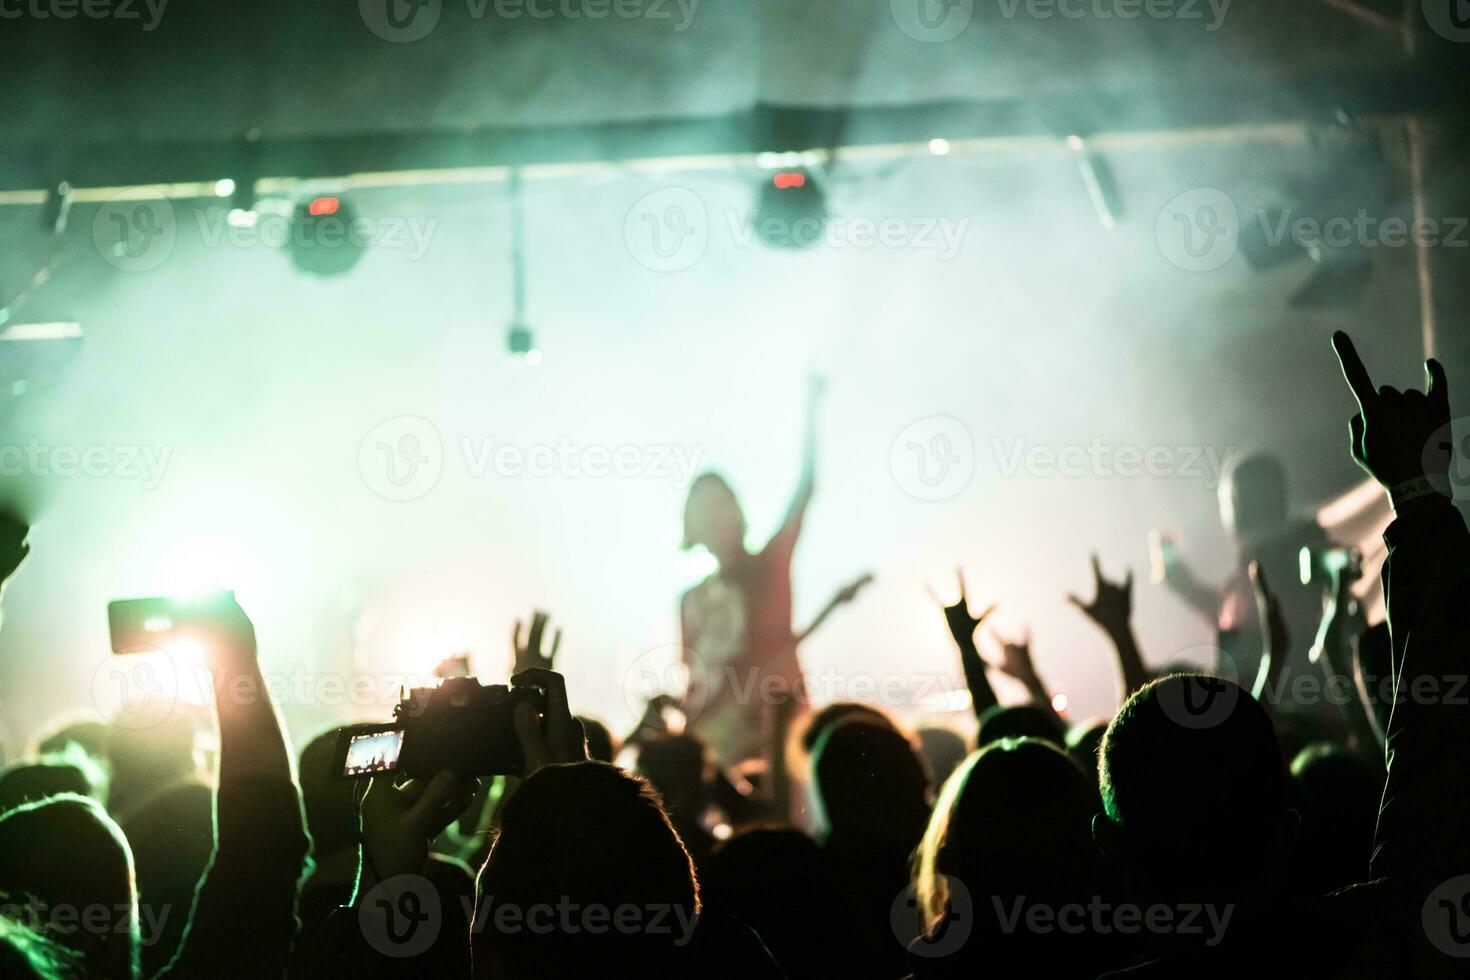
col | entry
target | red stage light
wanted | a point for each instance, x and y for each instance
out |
(324, 205)
(786, 181)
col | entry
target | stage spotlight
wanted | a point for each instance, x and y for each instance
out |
(793, 210)
(323, 239)
(58, 205)
(939, 147)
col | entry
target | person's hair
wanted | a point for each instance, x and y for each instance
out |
(1193, 758)
(708, 488)
(27, 955)
(86, 734)
(836, 713)
(67, 852)
(1014, 819)
(592, 835)
(869, 779)
(28, 782)
(675, 765)
(1001, 721)
(1337, 792)
(331, 810)
(146, 760)
(600, 745)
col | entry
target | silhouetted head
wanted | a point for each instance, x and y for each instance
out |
(1020, 721)
(1337, 792)
(870, 783)
(1015, 819)
(943, 750)
(329, 801)
(84, 733)
(29, 782)
(676, 766)
(585, 836)
(66, 853)
(1253, 497)
(145, 760)
(1190, 766)
(713, 518)
(600, 744)
(837, 712)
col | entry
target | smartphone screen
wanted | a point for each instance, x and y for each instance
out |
(372, 752)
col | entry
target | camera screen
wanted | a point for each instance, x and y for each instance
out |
(373, 752)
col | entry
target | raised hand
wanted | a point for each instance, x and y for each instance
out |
(1112, 603)
(1401, 438)
(528, 652)
(398, 822)
(553, 736)
(962, 623)
(1015, 660)
(1273, 623)
(1343, 616)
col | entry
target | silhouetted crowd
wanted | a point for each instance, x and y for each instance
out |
(1300, 810)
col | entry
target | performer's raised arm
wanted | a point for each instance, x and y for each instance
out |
(790, 528)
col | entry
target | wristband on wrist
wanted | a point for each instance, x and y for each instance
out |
(1414, 489)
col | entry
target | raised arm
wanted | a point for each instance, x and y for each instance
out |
(1112, 609)
(244, 916)
(962, 627)
(1171, 569)
(1403, 440)
(806, 483)
(1267, 686)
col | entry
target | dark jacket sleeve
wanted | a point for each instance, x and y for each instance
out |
(1426, 801)
(244, 918)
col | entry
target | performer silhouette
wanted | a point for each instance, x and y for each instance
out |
(737, 633)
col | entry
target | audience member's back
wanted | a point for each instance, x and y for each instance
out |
(66, 853)
(1011, 836)
(874, 794)
(593, 839)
